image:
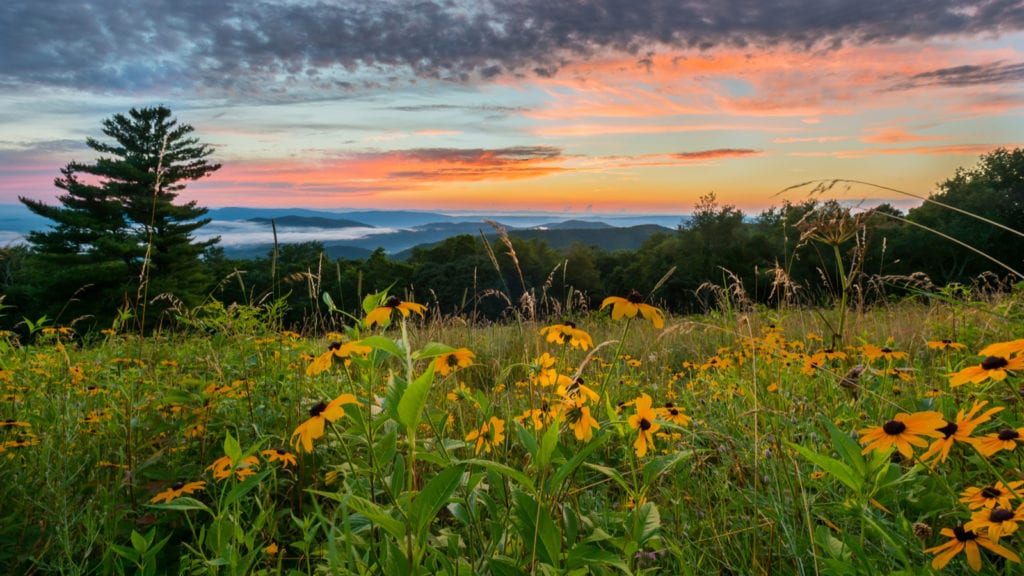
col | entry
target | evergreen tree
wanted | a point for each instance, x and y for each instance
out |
(118, 224)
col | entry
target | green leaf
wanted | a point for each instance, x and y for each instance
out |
(566, 469)
(410, 407)
(245, 487)
(549, 442)
(646, 523)
(182, 503)
(504, 470)
(583, 554)
(663, 464)
(836, 468)
(527, 440)
(139, 542)
(232, 449)
(383, 343)
(848, 449)
(433, 497)
(372, 301)
(537, 530)
(377, 515)
(432, 349)
(611, 473)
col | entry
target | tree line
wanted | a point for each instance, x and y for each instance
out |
(121, 251)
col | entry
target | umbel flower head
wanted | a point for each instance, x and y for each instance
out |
(631, 305)
(903, 432)
(382, 314)
(319, 415)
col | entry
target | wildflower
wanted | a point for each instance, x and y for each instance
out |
(631, 305)
(994, 367)
(579, 419)
(222, 468)
(1004, 349)
(873, 353)
(966, 541)
(281, 455)
(959, 430)
(337, 350)
(382, 314)
(1005, 439)
(320, 414)
(945, 344)
(818, 474)
(997, 522)
(991, 496)
(535, 416)
(271, 549)
(461, 392)
(673, 414)
(576, 389)
(13, 423)
(179, 488)
(491, 433)
(447, 363)
(903, 432)
(643, 422)
(569, 334)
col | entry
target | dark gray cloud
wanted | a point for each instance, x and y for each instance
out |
(248, 49)
(995, 73)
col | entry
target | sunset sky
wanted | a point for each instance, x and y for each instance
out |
(555, 105)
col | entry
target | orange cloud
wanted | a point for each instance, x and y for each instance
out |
(960, 149)
(896, 135)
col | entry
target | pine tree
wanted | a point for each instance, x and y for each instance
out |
(118, 224)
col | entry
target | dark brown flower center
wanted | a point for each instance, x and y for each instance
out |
(994, 363)
(991, 492)
(886, 350)
(177, 485)
(334, 346)
(673, 411)
(949, 429)
(894, 427)
(281, 451)
(393, 302)
(964, 535)
(1000, 515)
(452, 360)
(645, 425)
(570, 324)
(1008, 434)
(316, 410)
(635, 297)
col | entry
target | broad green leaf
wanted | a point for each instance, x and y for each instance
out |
(537, 530)
(836, 468)
(140, 542)
(245, 487)
(549, 442)
(570, 466)
(232, 449)
(527, 440)
(410, 407)
(182, 503)
(662, 464)
(434, 496)
(611, 473)
(372, 301)
(504, 470)
(848, 449)
(583, 554)
(646, 522)
(377, 515)
(432, 349)
(383, 343)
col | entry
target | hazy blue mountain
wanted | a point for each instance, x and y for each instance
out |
(311, 222)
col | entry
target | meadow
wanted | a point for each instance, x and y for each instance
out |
(749, 440)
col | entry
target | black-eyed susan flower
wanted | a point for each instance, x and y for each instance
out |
(337, 350)
(319, 415)
(1005, 439)
(959, 430)
(631, 305)
(567, 333)
(1004, 349)
(382, 314)
(967, 541)
(177, 489)
(945, 345)
(281, 455)
(992, 367)
(643, 421)
(490, 434)
(576, 390)
(672, 413)
(998, 494)
(11, 423)
(222, 468)
(449, 362)
(271, 549)
(903, 432)
(579, 420)
(997, 522)
(872, 353)
(461, 392)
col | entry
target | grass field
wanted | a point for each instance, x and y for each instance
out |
(740, 442)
